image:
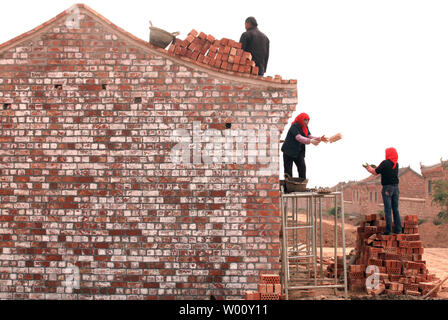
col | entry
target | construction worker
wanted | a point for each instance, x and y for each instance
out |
(256, 42)
(391, 193)
(294, 146)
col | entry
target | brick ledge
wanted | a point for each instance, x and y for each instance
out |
(223, 74)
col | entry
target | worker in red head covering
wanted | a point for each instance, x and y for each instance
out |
(391, 193)
(294, 146)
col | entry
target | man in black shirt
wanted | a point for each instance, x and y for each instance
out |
(256, 42)
(391, 193)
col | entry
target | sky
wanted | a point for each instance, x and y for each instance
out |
(376, 71)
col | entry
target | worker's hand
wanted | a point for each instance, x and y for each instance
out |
(315, 142)
(371, 170)
(324, 139)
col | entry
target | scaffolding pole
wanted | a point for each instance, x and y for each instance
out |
(302, 241)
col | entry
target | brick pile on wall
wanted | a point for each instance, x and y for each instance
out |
(87, 179)
(225, 54)
(399, 259)
(269, 288)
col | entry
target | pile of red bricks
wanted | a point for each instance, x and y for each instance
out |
(331, 268)
(398, 258)
(224, 54)
(269, 288)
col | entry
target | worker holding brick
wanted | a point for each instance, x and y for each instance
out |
(257, 43)
(294, 146)
(391, 193)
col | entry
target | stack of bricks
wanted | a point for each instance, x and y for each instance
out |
(398, 258)
(224, 54)
(269, 288)
(331, 268)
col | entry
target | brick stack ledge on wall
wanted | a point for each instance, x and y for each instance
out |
(225, 55)
(179, 56)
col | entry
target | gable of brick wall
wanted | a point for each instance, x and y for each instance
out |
(87, 182)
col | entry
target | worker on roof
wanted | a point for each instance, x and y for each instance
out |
(294, 146)
(256, 42)
(391, 193)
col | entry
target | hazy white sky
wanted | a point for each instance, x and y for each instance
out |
(377, 71)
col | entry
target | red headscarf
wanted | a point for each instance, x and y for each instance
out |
(392, 155)
(300, 119)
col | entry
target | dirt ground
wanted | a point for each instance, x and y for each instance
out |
(434, 236)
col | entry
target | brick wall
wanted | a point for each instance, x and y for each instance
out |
(88, 184)
(430, 176)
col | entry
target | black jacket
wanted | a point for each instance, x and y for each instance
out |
(291, 147)
(256, 42)
(389, 176)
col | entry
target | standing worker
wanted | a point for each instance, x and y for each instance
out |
(391, 193)
(294, 146)
(256, 42)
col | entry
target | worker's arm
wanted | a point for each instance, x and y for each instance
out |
(313, 137)
(376, 171)
(320, 139)
(306, 140)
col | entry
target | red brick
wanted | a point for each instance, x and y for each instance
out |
(210, 38)
(193, 33)
(415, 244)
(269, 296)
(278, 288)
(412, 293)
(247, 55)
(252, 295)
(224, 41)
(262, 288)
(255, 70)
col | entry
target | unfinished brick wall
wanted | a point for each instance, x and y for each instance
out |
(431, 174)
(87, 117)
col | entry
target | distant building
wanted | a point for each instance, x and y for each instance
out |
(416, 192)
(364, 197)
(431, 174)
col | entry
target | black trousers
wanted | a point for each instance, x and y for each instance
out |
(300, 163)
